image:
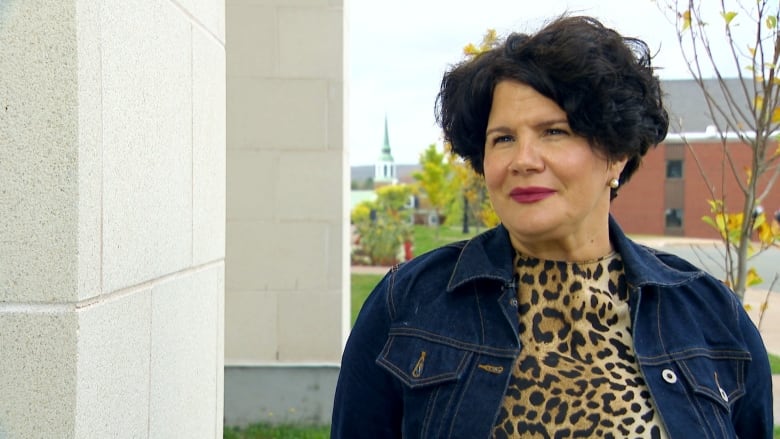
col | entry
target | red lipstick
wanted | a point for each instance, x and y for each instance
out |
(530, 194)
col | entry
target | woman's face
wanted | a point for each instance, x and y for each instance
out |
(548, 185)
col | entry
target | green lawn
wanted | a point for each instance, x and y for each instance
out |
(262, 431)
(362, 284)
(425, 237)
(774, 363)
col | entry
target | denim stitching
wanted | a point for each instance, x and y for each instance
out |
(429, 412)
(415, 383)
(460, 400)
(457, 388)
(658, 322)
(696, 408)
(390, 287)
(741, 388)
(481, 319)
(425, 335)
(655, 360)
(697, 387)
(737, 393)
(719, 418)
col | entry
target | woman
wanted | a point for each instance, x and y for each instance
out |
(553, 324)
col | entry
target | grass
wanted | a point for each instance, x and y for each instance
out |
(262, 431)
(425, 237)
(362, 284)
(774, 364)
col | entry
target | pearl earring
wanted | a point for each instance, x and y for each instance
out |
(614, 183)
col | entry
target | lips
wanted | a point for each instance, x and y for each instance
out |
(530, 194)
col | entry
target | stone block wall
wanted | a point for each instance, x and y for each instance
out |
(287, 261)
(112, 207)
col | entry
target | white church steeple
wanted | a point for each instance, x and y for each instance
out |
(384, 169)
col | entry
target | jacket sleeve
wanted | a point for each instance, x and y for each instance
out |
(752, 414)
(368, 400)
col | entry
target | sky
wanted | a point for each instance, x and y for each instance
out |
(398, 51)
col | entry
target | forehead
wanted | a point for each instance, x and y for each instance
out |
(520, 100)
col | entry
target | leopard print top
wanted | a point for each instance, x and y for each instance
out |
(576, 375)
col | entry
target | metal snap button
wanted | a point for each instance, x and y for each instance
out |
(669, 376)
(513, 302)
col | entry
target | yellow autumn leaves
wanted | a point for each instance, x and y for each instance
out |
(764, 232)
(489, 41)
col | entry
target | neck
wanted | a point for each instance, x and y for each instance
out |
(572, 247)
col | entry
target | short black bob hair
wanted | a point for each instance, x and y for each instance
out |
(602, 80)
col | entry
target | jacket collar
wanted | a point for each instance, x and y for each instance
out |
(490, 256)
(647, 266)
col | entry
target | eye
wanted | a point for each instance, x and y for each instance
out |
(555, 132)
(502, 139)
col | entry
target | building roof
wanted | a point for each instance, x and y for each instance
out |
(364, 172)
(688, 110)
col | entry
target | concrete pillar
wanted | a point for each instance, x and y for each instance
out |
(287, 266)
(112, 204)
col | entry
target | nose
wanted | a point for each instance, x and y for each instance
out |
(526, 157)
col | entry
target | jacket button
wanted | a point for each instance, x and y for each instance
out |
(513, 302)
(669, 376)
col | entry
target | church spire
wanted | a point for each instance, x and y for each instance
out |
(384, 170)
(386, 155)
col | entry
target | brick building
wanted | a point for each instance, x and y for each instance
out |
(668, 194)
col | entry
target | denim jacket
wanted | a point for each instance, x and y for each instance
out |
(432, 351)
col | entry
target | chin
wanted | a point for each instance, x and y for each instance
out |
(530, 232)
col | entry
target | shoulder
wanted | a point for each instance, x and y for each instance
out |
(430, 271)
(672, 261)
(694, 287)
(487, 256)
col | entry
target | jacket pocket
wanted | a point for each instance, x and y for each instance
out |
(432, 374)
(418, 362)
(720, 379)
(716, 381)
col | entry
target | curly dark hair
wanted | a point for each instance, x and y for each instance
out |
(602, 80)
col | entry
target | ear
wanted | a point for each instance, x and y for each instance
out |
(616, 167)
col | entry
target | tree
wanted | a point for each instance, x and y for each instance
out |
(382, 225)
(467, 187)
(750, 112)
(471, 185)
(366, 184)
(435, 180)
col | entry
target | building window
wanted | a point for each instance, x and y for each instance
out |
(674, 218)
(674, 169)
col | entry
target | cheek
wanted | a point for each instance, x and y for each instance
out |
(494, 171)
(493, 176)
